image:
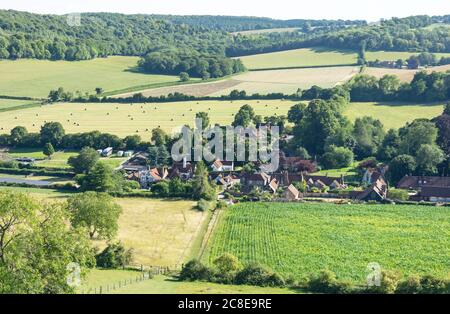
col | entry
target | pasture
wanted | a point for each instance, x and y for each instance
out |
(297, 239)
(286, 81)
(395, 55)
(305, 57)
(161, 232)
(165, 285)
(393, 115)
(35, 78)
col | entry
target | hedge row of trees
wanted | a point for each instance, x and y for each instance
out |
(190, 62)
(424, 87)
(227, 269)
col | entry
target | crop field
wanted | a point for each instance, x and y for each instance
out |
(394, 115)
(286, 81)
(12, 105)
(164, 285)
(35, 78)
(305, 57)
(297, 239)
(126, 119)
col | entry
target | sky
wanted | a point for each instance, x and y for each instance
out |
(370, 10)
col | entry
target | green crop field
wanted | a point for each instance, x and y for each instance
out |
(297, 239)
(163, 285)
(35, 78)
(393, 115)
(306, 57)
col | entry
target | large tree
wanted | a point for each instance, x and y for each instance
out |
(85, 161)
(39, 252)
(101, 178)
(401, 166)
(95, 211)
(369, 134)
(53, 133)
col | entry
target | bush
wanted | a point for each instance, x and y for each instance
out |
(337, 157)
(114, 256)
(195, 270)
(390, 280)
(423, 285)
(204, 205)
(326, 282)
(396, 194)
(257, 275)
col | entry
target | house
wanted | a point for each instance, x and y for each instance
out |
(291, 164)
(273, 185)
(433, 194)
(227, 181)
(291, 193)
(138, 162)
(222, 165)
(376, 192)
(419, 182)
(148, 177)
(256, 179)
(183, 170)
(107, 152)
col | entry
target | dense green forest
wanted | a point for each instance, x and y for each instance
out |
(407, 34)
(202, 45)
(26, 35)
(244, 23)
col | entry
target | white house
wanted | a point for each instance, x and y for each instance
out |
(221, 166)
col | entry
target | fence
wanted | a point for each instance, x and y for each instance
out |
(143, 273)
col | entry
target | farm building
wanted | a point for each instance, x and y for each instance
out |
(291, 193)
(107, 152)
(222, 165)
(418, 182)
(433, 194)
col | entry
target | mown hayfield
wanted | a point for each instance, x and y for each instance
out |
(126, 119)
(35, 78)
(305, 57)
(297, 239)
(405, 75)
(163, 285)
(395, 55)
(394, 115)
(286, 81)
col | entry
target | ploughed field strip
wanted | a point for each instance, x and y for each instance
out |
(297, 239)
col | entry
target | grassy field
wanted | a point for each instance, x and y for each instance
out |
(161, 232)
(126, 119)
(395, 55)
(305, 57)
(303, 238)
(35, 78)
(165, 285)
(393, 115)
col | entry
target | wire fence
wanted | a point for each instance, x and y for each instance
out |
(143, 273)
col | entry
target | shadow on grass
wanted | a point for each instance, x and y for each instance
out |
(406, 104)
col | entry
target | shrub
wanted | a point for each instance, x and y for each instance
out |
(114, 256)
(327, 282)
(257, 275)
(389, 282)
(130, 186)
(204, 205)
(195, 270)
(433, 285)
(396, 194)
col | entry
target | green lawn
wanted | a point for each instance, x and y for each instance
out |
(163, 285)
(35, 78)
(393, 115)
(305, 57)
(297, 239)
